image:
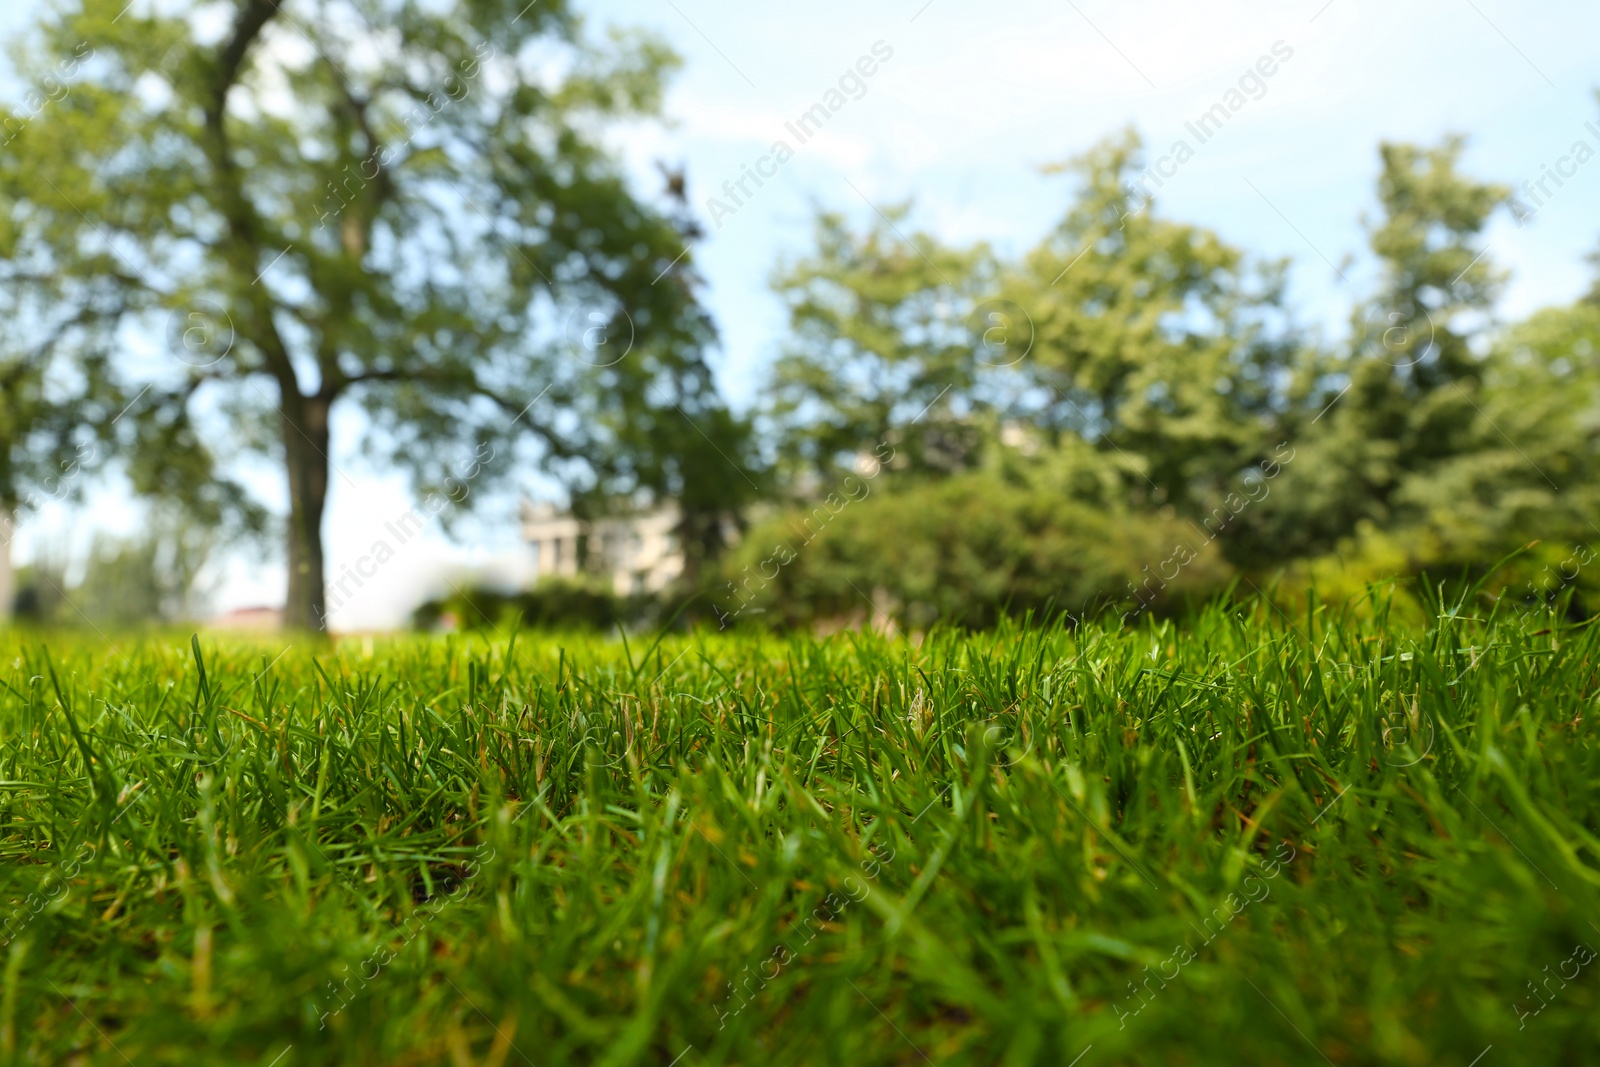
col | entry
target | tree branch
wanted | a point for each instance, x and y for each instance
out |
(244, 225)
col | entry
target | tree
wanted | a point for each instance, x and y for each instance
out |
(1406, 397)
(388, 204)
(57, 404)
(67, 418)
(1156, 342)
(880, 349)
(153, 576)
(1077, 426)
(1525, 477)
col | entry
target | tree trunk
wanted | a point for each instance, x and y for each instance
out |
(305, 446)
(8, 582)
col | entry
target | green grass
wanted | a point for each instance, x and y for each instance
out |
(1246, 840)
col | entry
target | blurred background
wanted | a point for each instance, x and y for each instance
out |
(369, 314)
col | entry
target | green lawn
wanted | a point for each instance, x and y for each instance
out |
(1244, 840)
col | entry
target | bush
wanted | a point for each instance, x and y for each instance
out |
(555, 603)
(1422, 564)
(965, 549)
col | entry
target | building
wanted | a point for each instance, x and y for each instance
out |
(636, 554)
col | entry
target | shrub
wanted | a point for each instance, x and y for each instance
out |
(966, 549)
(555, 603)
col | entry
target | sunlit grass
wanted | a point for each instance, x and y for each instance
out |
(1250, 839)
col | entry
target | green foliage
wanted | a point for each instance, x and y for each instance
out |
(967, 549)
(1154, 341)
(1254, 840)
(581, 604)
(878, 350)
(1078, 414)
(41, 593)
(58, 403)
(151, 577)
(1383, 422)
(1529, 479)
(1151, 375)
(397, 205)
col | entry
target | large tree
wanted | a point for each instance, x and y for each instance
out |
(394, 204)
(1406, 400)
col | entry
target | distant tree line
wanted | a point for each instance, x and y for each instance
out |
(1129, 416)
(216, 239)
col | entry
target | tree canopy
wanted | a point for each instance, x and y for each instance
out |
(395, 206)
(1134, 379)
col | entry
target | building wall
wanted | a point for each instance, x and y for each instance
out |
(636, 553)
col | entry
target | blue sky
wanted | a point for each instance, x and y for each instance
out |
(978, 97)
